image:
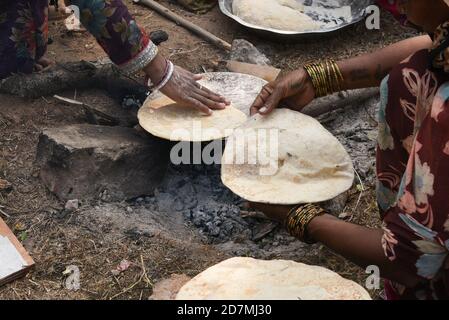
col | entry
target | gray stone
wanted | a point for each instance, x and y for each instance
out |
(72, 205)
(245, 51)
(337, 205)
(114, 163)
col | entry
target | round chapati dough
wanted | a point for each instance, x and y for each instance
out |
(276, 14)
(285, 158)
(177, 123)
(251, 279)
(163, 118)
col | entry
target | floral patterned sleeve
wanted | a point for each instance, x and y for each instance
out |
(110, 22)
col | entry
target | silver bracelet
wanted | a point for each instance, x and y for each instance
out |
(140, 61)
(165, 80)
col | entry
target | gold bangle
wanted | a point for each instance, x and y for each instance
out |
(326, 77)
(337, 74)
(299, 218)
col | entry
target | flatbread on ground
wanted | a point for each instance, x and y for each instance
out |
(163, 118)
(251, 279)
(285, 158)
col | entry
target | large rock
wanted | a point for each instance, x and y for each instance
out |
(245, 51)
(86, 161)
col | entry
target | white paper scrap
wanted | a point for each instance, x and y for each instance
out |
(10, 259)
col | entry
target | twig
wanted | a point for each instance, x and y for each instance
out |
(91, 110)
(253, 214)
(43, 98)
(127, 289)
(362, 190)
(180, 51)
(167, 13)
(5, 214)
(143, 276)
(147, 280)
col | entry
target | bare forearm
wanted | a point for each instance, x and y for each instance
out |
(360, 245)
(368, 70)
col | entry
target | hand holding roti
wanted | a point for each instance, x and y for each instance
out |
(295, 91)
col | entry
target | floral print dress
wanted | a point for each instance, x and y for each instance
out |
(24, 33)
(413, 172)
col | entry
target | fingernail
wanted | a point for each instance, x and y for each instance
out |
(222, 105)
(263, 109)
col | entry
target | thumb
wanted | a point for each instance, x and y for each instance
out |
(272, 102)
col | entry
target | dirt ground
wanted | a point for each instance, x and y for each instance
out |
(56, 241)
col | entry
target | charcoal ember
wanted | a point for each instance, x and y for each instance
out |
(190, 202)
(200, 218)
(131, 102)
(212, 229)
(217, 221)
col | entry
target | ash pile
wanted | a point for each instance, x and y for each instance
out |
(356, 128)
(197, 193)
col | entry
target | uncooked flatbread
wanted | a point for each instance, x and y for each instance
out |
(292, 160)
(250, 279)
(161, 117)
(284, 15)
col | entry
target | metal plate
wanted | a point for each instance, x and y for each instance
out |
(326, 11)
(240, 89)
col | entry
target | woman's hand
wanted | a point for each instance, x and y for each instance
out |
(277, 213)
(294, 91)
(184, 88)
